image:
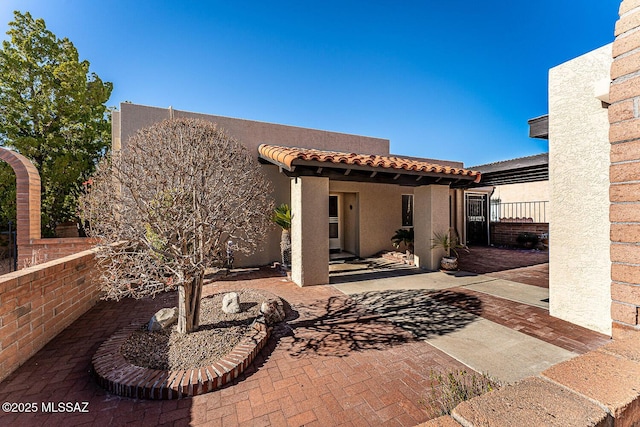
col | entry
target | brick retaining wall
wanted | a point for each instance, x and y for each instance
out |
(38, 302)
(505, 233)
(624, 136)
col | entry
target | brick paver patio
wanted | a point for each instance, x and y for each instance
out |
(300, 382)
(336, 364)
(518, 265)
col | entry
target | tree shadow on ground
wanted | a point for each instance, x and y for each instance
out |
(378, 320)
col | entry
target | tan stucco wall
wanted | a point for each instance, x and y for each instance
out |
(579, 281)
(252, 133)
(380, 208)
(132, 117)
(351, 222)
(523, 192)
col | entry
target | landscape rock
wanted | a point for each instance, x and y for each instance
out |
(231, 303)
(272, 311)
(164, 318)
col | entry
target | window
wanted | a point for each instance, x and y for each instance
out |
(407, 210)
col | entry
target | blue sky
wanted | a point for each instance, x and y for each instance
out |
(450, 80)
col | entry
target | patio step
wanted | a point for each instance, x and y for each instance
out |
(398, 257)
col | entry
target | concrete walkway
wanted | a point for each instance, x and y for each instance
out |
(483, 345)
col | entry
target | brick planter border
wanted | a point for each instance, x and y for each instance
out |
(120, 377)
(116, 375)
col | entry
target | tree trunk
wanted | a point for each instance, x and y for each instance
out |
(189, 296)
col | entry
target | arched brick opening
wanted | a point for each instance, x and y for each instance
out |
(28, 196)
(624, 173)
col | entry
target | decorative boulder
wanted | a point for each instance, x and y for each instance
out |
(164, 318)
(272, 311)
(231, 303)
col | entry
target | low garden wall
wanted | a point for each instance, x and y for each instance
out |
(44, 250)
(505, 233)
(38, 302)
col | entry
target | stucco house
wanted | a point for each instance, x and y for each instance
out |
(349, 193)
(346, 192)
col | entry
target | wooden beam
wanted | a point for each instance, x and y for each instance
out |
(347, 172)
(319, 171)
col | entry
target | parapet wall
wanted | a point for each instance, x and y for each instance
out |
(39, 251)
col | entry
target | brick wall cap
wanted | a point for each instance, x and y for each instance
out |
(546, 403)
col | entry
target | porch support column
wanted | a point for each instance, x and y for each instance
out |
(430, 214)
(310, 230)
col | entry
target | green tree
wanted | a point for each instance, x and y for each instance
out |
(7, 196)
(52, 111)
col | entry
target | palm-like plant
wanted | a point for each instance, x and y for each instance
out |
(282, 218)
(404, 236)
(448, 241)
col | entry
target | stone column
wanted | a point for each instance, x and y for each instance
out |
(310, 230)
(624, 136)
(430, 214)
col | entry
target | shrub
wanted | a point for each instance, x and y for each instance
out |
(527, 239)
(404, 236)
(451, 388)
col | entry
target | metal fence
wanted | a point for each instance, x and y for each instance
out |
(8, 250)
(519, 211)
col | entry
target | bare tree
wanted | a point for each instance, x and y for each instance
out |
(165, 207)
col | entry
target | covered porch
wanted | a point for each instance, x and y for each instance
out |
(353, 202)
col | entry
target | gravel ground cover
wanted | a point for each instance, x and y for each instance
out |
(218, 334)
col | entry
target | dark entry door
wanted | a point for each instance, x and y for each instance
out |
(477, 231)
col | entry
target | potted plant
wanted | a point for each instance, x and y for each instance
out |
(404, 236)
(282, 218)
(450, 243)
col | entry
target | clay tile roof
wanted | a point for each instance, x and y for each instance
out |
(285, 156)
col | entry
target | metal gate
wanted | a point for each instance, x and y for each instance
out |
(8, 250)
(476, 219)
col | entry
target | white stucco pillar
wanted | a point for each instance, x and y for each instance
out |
(310, 230)
(430, 214)
(579, 160)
